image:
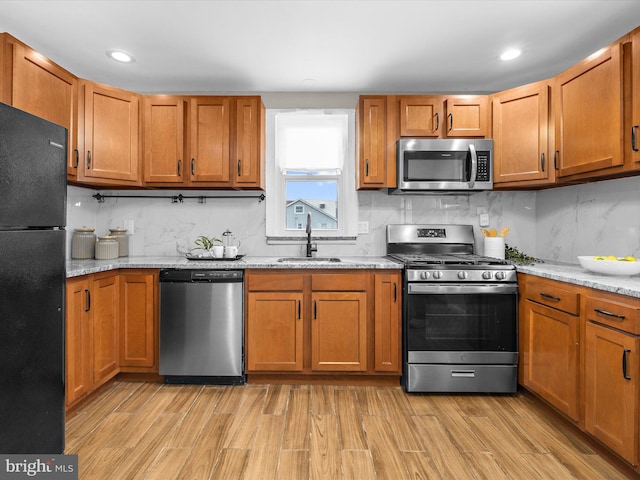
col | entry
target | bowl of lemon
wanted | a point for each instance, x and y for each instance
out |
(611, 265)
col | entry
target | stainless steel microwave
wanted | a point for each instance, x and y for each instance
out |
(438, 165)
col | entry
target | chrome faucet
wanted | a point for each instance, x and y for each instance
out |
(310, 247)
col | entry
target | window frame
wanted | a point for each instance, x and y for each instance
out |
(347, 205)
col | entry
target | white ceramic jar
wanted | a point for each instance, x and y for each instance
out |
(123, 240)
(106, 248)
(83, 243)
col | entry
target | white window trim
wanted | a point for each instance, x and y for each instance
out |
(347, 198)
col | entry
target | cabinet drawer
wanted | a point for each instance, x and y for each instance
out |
(618, 312)
(256, 282)
(337, 282)
(553, 295)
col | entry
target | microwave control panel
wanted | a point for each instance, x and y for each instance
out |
(484, 174)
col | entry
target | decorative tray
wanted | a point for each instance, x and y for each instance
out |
(212, 259)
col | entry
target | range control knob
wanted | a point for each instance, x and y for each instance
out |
(500, 275)
(463, 275)
(486, 275)
(437, 275)
(425, 275)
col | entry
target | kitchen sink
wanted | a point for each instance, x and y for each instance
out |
(308, 259)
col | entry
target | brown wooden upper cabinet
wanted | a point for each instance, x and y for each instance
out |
(466, 116)
(588, 107)
(632, 89)
(108, 135)
(227, 142)
(521, 124)
(36, 85)
(373, 170)
(421, 116)
(164, 140)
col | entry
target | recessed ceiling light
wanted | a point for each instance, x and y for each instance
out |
(121, 56)
(510, 54)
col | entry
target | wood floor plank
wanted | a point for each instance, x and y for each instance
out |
(485, 466)
(135, 402)
(446, 456)
(420, 466)
(195, 419)
(322, 401)
(230, 400)
(264, 456)
(324, 450)
(420, 403)
(204, 455)
(352, 434)
(547, 466)
(100, 437)
(102, 465)
(231, 465)
(293, 465)
(407, 435)
(182, 402)
(242, 431)
(387, 459)
(357, 465)
(369, 401)
(276, 401)
(460, 432)
(167, 464)
(297, 429)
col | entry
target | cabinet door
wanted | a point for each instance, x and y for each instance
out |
(387, 322)
(611, 389)
(78, 346)
(248, 152)
(339, 331)
(372, 166)
(104, 307)
(467, 116)
(632, 134)
(209, 130)
(520, 135)
(44, 89)
(420, 116)
(164, 126)
(274, 331)
(138, 321)
(111, 144)
(552, 350)
(588, 115)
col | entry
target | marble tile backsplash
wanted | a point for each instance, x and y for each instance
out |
(555, 224)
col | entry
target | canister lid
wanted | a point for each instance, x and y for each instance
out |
(84, 230)
(119, 230)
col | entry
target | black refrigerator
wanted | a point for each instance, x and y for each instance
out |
(33, 194)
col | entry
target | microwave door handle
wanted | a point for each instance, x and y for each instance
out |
(474, 165)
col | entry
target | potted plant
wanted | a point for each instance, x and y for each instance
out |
(207, 244)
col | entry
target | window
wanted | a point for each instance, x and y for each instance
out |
(310, 174)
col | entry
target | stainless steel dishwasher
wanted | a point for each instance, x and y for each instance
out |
(202, 326)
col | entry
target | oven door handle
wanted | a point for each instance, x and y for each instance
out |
(460, 288)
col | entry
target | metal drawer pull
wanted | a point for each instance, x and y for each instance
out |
(463, 373)
(624, 364)
(609, 314)
(550, 297)
(634, 138)
(437, 122)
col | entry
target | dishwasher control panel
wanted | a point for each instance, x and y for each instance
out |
(179, 275)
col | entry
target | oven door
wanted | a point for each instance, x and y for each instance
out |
(461, 323)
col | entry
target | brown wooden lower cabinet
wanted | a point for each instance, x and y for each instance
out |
(322, 322)
(580, 352)
(111, 326)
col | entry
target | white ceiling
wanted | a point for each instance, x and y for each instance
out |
(318, 45)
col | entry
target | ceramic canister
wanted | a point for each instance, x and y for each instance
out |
(123, 240)
(83, 243)
(106, 248)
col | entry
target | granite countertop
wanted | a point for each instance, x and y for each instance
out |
(77, 268)
(577, 275)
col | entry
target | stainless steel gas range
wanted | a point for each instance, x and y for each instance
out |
(460, 312)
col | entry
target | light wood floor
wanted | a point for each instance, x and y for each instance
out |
(257, 432)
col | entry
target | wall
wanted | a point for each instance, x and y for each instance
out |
(165, 228)
(599, 218)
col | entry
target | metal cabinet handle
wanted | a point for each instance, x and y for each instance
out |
(556, 154)
(395, 292)
(77, 152)
(179, 167)
(624, 364)
(542, 161)
(437, 122)
(315, 310)
(550, 297)
(366, 167)
(239, 169)
(88, 159)
(88, 297)
(193, 166)
(298, 309)
(634, 138)
(609, 314)
(450, 117)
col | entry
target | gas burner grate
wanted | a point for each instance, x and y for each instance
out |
(417, 260)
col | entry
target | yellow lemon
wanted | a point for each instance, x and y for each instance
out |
(629, 258)
(611, 257)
